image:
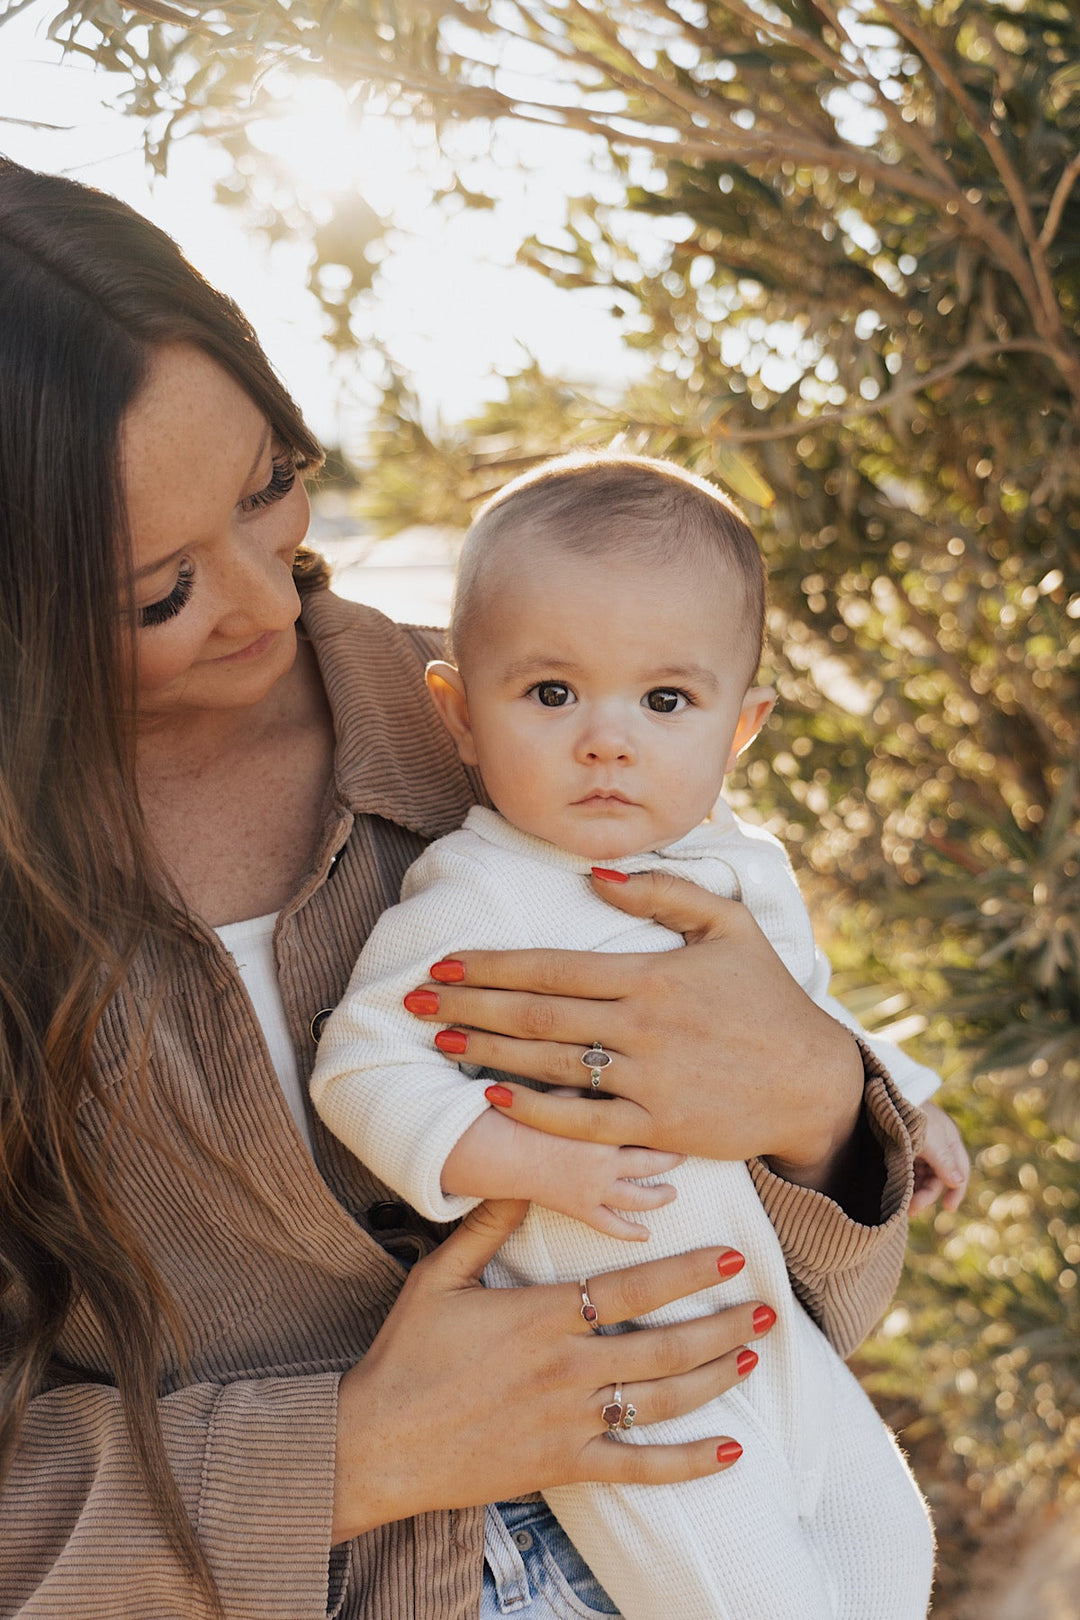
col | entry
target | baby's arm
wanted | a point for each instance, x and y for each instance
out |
(589, 1181)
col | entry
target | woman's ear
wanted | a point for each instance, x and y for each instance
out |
(756, 707)
(447, 690)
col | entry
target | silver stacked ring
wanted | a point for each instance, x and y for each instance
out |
(596, 1061)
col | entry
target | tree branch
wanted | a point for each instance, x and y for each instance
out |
(1057, 203)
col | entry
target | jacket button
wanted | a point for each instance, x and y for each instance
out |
(318, 1023)
(387, 1216)
(336, 861)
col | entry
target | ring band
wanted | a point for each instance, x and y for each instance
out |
(596, 1061)
(588, 1309)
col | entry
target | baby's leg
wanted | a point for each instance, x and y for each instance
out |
(870, 1525)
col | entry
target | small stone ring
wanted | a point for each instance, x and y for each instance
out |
(618, 1414)
(596, 1061)
(588, 1309)
(613, 1411)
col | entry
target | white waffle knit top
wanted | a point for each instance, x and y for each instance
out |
(401, 1106)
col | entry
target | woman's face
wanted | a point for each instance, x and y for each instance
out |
(215, 514)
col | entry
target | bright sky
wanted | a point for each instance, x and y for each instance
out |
(449, 303)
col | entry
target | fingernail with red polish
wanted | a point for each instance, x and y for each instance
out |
(501, 1096)
(609, 875)
(422, 1001)
(448, 972)
(730, 1262)
(746, 1361)
(451, 1040)
(729, 1451)
(763, 1318)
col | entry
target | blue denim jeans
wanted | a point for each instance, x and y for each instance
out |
(531, 1567)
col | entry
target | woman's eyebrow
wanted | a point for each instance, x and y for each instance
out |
(163, 562)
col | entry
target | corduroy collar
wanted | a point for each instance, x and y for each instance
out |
(393, 756)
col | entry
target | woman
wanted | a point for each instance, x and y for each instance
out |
(219, 1390)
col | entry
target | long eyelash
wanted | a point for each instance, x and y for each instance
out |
(170, 606)
(282, 479)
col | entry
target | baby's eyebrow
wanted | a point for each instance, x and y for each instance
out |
(695, 674)
(538, 664)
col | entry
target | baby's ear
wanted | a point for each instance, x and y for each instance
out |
(756, 707)
(447, 690)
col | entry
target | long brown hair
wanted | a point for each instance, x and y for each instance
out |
(87, 290)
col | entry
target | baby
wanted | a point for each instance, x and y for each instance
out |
(607, 625)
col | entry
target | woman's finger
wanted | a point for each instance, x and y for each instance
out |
(657, 1465)
(613, 1120)
(634, 1291)
(675, 903)
(529, 1017)
(658, 1399)
(596, 975)
(460, 1259)
(669, 1352)
(549, 1061)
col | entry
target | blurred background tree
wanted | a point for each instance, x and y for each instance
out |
(848, 239)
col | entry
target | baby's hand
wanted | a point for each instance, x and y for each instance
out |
(943, 1165)
(591, 1182)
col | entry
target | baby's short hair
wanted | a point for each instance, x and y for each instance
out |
(597, 504)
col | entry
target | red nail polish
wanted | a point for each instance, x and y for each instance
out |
(448, 972)
(422, 1001)
(728, 1451)
(730, 1262)
(609, 875)
(451, 1040)
(746, 1361)
(763, 1319)
(502, 1097)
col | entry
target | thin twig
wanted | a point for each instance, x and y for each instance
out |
(164, 13)
(1057, 203)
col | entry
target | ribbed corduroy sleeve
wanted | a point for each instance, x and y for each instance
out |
(254, 1462)
(845, 1273)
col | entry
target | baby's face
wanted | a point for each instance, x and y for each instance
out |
(606, 701)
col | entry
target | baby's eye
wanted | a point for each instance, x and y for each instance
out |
(665, 700)
(552, 694)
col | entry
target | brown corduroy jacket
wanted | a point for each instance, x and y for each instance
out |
(282, 1282)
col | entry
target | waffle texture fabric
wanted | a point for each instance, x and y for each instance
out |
(820, 1519)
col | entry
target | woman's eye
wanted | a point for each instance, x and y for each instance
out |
(170, 606)
(552, 694)
(665, 700)
(282, 479)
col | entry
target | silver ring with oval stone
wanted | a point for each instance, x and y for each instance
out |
(596, 1061)
(588, 1309)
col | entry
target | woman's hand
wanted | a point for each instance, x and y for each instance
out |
(715, 1049)
(469, 1394)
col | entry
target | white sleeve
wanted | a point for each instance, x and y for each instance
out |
(379, 1083)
